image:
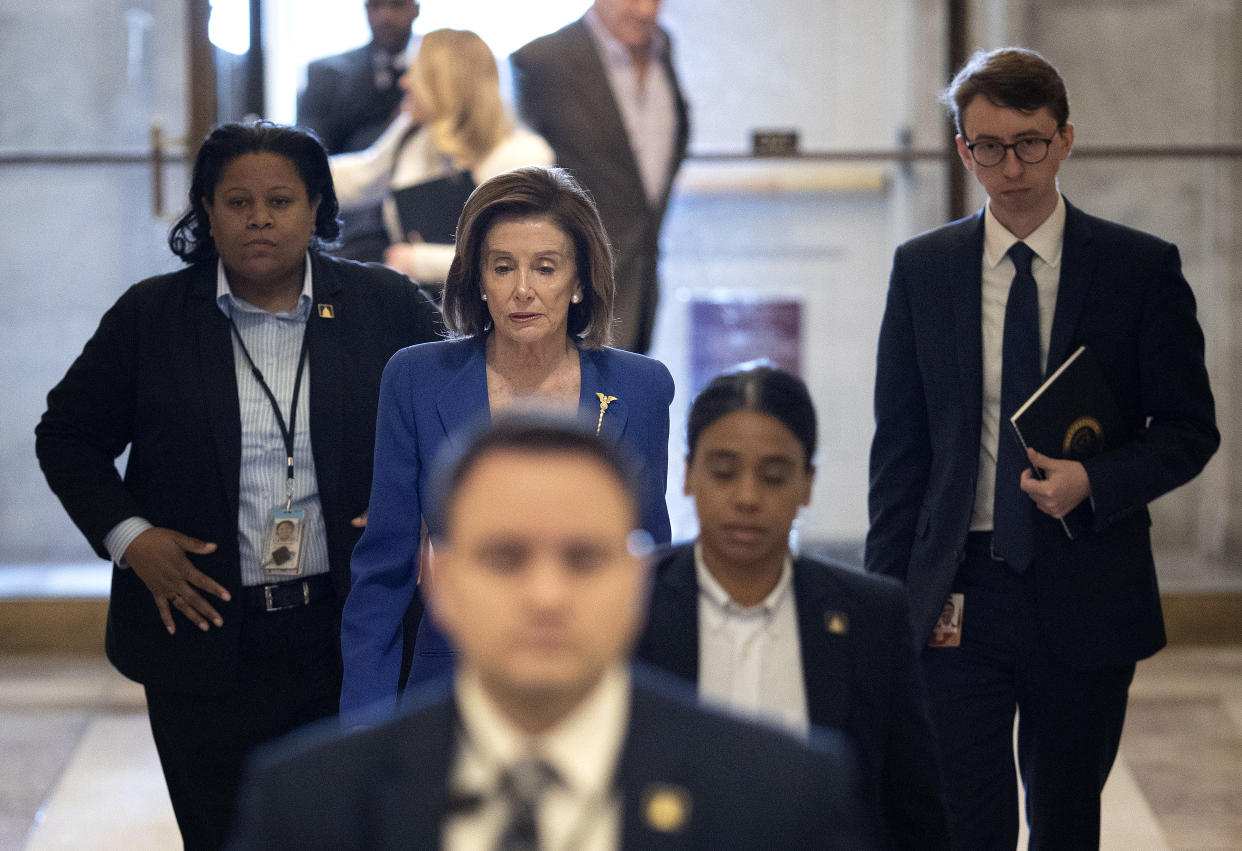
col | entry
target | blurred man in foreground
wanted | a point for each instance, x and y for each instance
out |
(546, 738)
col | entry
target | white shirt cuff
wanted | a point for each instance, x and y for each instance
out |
(117, 541)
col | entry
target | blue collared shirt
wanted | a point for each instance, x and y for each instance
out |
(274, 341)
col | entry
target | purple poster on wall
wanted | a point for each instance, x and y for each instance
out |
(725, 332)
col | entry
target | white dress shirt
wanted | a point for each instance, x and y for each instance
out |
(582, 812)
(750, 657)
(998, 271)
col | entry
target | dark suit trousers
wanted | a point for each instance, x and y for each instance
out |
(289, 674)
(1069, 721)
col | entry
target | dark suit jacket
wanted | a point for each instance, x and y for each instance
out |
(863, 680)
(341, 102)
(386, 787)
(158, 377)
(1123, 295)
(344, 106)
(562, 93)
(433, 397)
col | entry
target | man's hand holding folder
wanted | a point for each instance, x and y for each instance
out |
(1062, 488)
(1070, 418)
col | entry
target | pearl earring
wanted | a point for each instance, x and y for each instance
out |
(485, 296)
(576, 297)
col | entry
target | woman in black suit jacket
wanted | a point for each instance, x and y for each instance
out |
(259, 349)
(751, 440)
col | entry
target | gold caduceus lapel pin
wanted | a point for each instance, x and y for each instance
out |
(604, 402)
(836, 623)
(666, 807)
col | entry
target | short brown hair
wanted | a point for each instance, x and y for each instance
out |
(521, 193)
(1009, 77)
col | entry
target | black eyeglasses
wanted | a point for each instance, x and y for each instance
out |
(1030, 151)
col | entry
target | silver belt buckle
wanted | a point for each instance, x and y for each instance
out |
(271, 607)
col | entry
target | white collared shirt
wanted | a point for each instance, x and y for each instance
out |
(583, 811)
(648, 104)
(750, 657)
(1046, 241)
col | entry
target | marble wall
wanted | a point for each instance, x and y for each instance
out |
(86, 75)
(1161, 73)
(82, 79)
(1140, 72)
(849, 74)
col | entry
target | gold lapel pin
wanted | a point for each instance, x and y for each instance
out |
(837, 623)
(604, 402)
(326, 312)
(667, 807)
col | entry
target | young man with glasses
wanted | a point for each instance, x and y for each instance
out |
(979, 311)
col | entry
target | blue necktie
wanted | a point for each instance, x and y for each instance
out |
(1012, 510)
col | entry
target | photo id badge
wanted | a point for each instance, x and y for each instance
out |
(948, 629)
(282, 556)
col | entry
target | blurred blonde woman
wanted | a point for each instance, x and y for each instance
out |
(453, 122)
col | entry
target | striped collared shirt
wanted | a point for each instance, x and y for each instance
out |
(274, 341)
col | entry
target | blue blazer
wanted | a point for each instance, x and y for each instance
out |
(742, 786)
(430, 397)
(1121, 294)
(859, 670)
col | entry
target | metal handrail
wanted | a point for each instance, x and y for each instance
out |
(135, 157)
(908, 154)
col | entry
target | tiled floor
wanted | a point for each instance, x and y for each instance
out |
(78, 769)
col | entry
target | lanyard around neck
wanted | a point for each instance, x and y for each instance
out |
(286, 432)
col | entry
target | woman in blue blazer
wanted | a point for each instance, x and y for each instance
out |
(529, 302)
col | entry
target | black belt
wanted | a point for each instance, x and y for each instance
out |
(288, 595)
(980, 544)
